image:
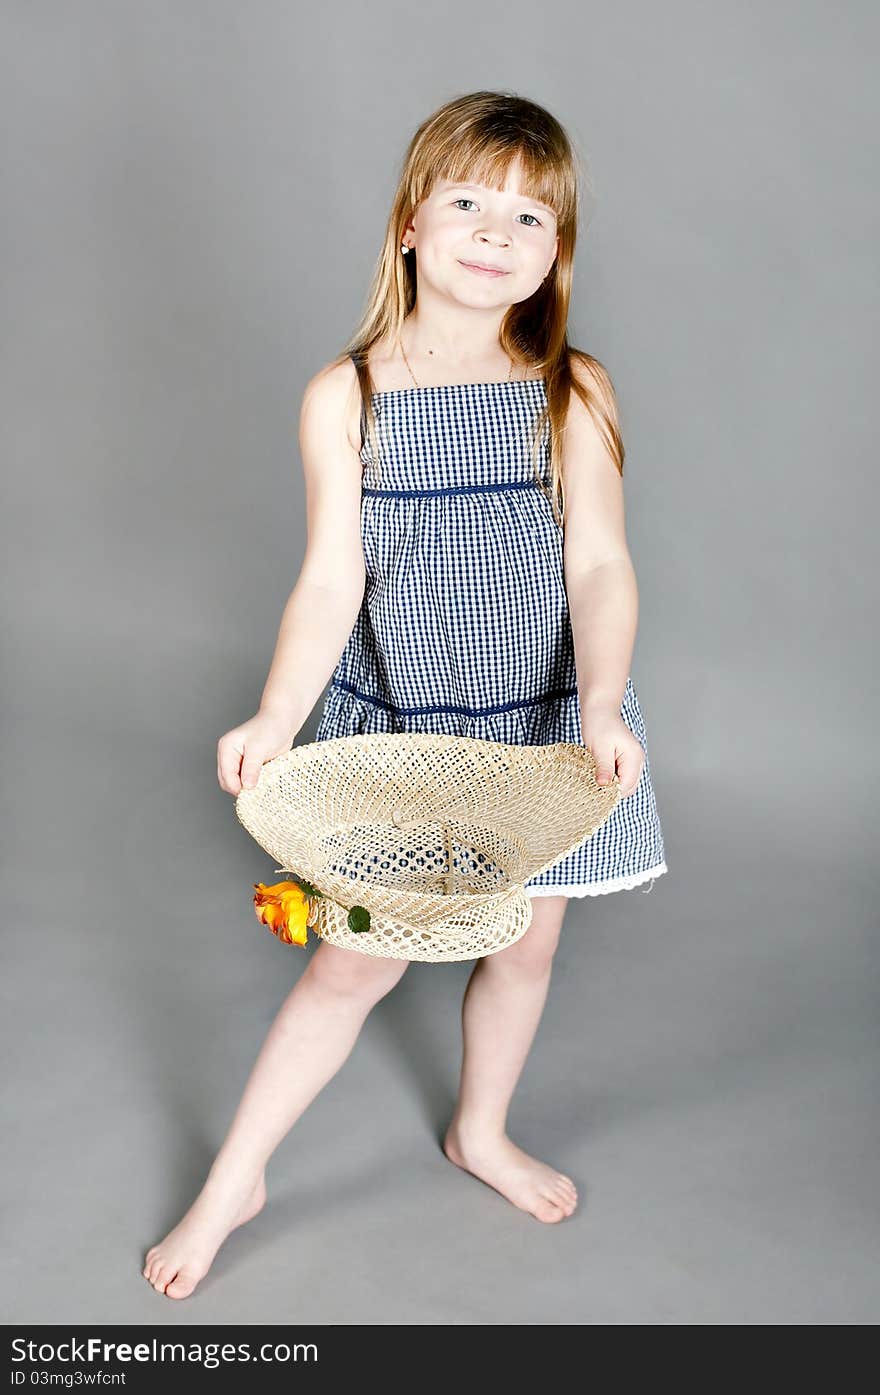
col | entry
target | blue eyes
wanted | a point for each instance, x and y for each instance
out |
(534, 223)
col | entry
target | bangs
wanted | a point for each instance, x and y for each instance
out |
(478, 158)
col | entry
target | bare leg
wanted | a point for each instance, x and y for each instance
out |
(501, 1010)
(307, 1043)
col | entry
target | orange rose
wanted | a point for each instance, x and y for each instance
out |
(285, 909)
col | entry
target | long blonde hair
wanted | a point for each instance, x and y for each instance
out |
(477, 137)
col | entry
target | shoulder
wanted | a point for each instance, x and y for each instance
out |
(594, 382)
(592, 422)
(331, 401)
(331, 385)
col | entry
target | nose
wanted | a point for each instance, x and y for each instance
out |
(497, 239)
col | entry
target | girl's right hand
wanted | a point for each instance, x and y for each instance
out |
(243, 751)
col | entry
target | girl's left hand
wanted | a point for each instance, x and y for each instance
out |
(614, 748)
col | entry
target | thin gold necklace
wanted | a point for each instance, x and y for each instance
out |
(418, 384)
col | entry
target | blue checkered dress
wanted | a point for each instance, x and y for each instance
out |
(464, 626)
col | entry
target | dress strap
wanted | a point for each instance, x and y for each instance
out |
(363, 407)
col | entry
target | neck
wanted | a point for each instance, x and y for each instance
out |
(458, 338)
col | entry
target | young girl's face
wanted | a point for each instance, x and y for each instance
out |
(460, 225)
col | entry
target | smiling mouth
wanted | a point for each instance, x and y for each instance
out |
(483, 270)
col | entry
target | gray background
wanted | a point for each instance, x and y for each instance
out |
(193, 198)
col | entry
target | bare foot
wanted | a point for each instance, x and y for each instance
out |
(183, 1258)
(531, 1185)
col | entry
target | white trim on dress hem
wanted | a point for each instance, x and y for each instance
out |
(599, 888)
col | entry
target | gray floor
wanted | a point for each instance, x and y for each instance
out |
(705, 1070)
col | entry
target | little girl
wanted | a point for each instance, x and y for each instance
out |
(467, 559)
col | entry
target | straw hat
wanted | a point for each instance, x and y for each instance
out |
(416, 846)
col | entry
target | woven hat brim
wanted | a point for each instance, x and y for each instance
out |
(423, 829)
(500, 922)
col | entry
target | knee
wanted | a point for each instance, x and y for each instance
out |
(347, 973)
(533, 952)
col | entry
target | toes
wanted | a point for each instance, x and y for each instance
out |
(181, 1286)
(549, 1211)
(162, 1276)
(557, 1202)
(567, 1191)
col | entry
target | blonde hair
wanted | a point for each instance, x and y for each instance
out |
(477, 137)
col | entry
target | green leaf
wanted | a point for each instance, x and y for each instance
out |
(358, 919)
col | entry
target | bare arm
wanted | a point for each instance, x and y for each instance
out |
(324, 603)
(600, 580)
